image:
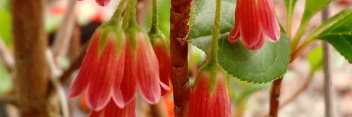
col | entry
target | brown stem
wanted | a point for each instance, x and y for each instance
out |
(299, 91)
(32, 75)
(327, 72)
(64, 34)
(180, 15)
(274, 97)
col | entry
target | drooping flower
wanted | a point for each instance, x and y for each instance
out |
(164, 60)
(209, 97)
(102, 68)
(255, 20)
(163, 54)
(112, 110)
(141, 71)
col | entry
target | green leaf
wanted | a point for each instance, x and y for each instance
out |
(290, 6)
(202, 18)
(338, 32)
(315, 58)
(312, 7)
(259, 66)
(6, 27)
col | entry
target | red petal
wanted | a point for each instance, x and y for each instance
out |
(268, 20)
(125, 92)
(259, 44)
(164, 60)
(87, 69)
(111, 110)
(199, 98)
(248, 19)
(220, 99)
(99, 91)
(235, 32)
(205, 102)
(147, 70)
(103, 2)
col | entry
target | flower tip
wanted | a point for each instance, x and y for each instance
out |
(103, 2)
(276, 37)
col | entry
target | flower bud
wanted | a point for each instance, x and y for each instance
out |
(209, 97)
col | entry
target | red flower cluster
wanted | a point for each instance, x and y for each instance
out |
(255, 20)
(209, 98)
(116, 67)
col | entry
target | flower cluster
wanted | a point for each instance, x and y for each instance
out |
(117, 66)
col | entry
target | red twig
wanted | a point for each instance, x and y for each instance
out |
(274, 97)
(180, 15)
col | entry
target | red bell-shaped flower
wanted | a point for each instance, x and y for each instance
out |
(141, 71)
(255, 20)
(209, 97)
(111, 110)
(164, 60)
(102, 68)
(163, 54)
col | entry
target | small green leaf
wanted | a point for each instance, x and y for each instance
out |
(290, 6)
(312, 7)
(338, 32)
(6, 27)
(259, 66)
(315, 58)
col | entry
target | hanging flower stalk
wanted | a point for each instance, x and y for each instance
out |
(161, 49)
(209, 96)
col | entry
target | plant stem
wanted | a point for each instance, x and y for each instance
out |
(327, 72)
(154, 27)
(213, 52)
(116, 18)
(274, 97)
(179, 18)
(30, 42)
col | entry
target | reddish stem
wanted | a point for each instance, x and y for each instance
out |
(274, 97)
(180, 15)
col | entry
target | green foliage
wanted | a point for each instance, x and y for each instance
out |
(290, 5)
(6, 26)
(338, 32)
(203, 13)
(315, 59)
(5, 80)
(312, 7)
(259, 66)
